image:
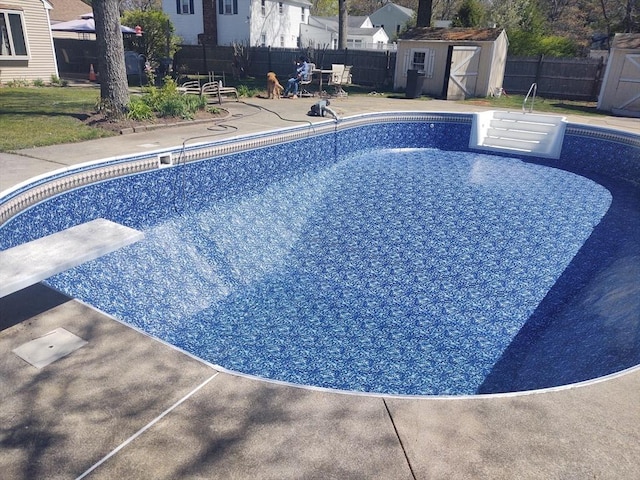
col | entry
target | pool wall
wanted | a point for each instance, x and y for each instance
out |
(586, 151)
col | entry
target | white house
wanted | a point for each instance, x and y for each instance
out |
(361, 34)
(250, 22)
(392, 18)
(26, 46)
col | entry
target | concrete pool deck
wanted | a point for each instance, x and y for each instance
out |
(126, 405)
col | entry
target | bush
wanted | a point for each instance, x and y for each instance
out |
(165, 101)
(139, 110)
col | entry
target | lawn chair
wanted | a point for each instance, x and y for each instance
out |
(191, 87)
(307, 81)
(340, 77)
(217, 90)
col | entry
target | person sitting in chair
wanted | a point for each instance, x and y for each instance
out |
(302, 73)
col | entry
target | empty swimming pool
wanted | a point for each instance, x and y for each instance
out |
(380, 257)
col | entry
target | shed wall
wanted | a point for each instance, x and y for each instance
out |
(491, 67)
(620, 91)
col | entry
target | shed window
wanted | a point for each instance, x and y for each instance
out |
(13, 41)
(423, 59)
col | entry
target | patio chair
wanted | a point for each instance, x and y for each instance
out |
(339, 78)
(307, 81)
(217, 90)
(191, 87)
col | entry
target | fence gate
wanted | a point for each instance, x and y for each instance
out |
(463, 74)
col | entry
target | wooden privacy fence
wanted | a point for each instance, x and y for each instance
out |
(566, 78)
(562, 78)
(370, 68)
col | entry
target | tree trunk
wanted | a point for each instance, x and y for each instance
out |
(114, 90)
(423, 18)
(342, 24)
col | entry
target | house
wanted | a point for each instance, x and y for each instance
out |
(453, 63)
(26, 46)
(248, 22)
(620, 91)
(392, 18)
(361, 34)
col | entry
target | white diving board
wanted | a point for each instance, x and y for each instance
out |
(34, 261)
(514, 132)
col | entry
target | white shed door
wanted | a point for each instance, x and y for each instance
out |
(463, 75)
(627, 96)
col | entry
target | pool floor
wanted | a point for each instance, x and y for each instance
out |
(401, 271)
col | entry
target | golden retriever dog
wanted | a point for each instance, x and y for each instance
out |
(274, 89)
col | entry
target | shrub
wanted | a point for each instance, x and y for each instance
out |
(139, 110)
(38, 82)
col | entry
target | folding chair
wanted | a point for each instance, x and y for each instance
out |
(340, 77)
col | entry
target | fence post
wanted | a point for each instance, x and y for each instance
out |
(597, 81)
(538, 68)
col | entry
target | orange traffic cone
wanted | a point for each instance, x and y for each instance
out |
(92, 74)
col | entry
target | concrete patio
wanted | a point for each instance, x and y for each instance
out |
(128, 406)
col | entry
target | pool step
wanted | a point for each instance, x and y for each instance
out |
(32, 262)
(525, 133)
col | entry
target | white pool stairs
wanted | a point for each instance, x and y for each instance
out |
(524, 133)
(34, 261)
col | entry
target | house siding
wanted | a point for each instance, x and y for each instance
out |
(187, 26)
(41, 64)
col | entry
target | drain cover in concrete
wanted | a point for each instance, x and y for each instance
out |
(49, 348)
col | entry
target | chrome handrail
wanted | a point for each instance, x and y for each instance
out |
(534, 88)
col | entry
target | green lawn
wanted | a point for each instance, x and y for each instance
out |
(35, 117)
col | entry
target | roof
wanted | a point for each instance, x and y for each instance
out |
(452, 34)
(407, 11)
(64, 10)
(353, 21)
(626, 40)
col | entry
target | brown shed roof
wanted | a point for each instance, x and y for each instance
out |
(65, 10)
(452, 34)
(626, 40)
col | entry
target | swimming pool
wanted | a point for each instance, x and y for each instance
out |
(377, 255)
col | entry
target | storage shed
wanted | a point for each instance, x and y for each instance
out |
(620, 91)
(452, 63)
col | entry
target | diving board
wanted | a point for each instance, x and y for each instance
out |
(514, 132)
(34, 261)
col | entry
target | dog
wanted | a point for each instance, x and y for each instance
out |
(274, 89)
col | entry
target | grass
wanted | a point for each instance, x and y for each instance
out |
(36, 117)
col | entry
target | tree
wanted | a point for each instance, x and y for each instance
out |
(470, 14)
(114, 91)
(324, 8)
(342, 24)
(423, 18)
(158, 39)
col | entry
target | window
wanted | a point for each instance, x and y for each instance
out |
(184, 7)
(280, 8)
(263, 7)
(302, 17)
(263, 40)
(13, 43)
(227, 7)
(282, 40)
(423, 60)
